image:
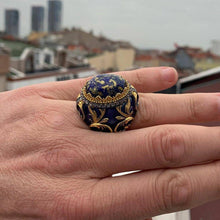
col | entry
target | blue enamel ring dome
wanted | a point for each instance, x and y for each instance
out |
(106, 85)
(107, 103)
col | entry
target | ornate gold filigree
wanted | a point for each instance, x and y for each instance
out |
(126, 117)
(100, 126)
(108, 99)
(127, 112)
(80, 105)
(99, 122)
(119, 118)
(93, 113)
(124, 123)
(128, 106)
(135, 97)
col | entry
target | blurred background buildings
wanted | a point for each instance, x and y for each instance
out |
(75, 47)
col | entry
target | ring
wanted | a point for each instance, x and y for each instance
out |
(108, 103)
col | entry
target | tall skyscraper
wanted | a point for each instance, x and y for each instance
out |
(12, 22)
(54, 15)
(38, 15)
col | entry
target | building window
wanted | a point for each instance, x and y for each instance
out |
(29, 64)
(37, 58)
(47, 59)
(63, 78)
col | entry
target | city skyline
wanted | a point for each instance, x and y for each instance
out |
(151, 24)
(54, 19)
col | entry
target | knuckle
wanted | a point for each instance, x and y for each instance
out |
(60, 159)
(168, 146)
(148, 110)
(55, 117)
(139, 78)
(52, 118)
(75, 205)
(26, 91)
(198, 107)
(63, 155)
(173, 190)
(194, 109)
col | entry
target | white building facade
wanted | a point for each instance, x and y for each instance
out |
(63, 74)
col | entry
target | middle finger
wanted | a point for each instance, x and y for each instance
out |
(156, 109)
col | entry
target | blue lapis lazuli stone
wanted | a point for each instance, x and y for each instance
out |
(106, 85)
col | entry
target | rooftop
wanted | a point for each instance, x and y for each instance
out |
(153, 57)
(16, 75)
(16, 47)
(201, 75)
(77, 36)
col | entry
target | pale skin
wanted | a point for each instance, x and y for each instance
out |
(53, 167)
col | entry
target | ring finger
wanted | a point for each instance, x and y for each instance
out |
(155, 147)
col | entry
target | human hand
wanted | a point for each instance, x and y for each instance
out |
(54, 167)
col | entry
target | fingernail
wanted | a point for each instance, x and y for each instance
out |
(168, 74)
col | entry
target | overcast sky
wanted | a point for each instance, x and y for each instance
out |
(145, 23)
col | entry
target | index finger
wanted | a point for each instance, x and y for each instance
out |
(144, 80)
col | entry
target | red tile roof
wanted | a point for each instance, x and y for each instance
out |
(144, 58)
(159, 57)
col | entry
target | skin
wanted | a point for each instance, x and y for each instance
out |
(53, 167)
